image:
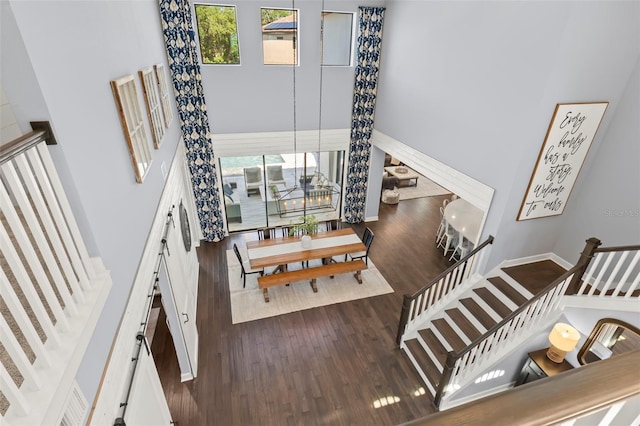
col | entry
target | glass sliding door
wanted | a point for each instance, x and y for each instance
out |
(275, 190)
(243, 184)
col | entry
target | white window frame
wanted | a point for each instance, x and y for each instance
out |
(197, 33)
(297, 36)
(351, 41)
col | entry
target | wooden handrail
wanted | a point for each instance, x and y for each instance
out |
(447, 374)
(42, 132)
(551, 400)
(515, 313)
(619, 248)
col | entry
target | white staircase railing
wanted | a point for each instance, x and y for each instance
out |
(415, 306)
(52, 290)
(465, 365)
(612, 272)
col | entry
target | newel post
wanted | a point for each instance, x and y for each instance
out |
(404, 317)
(447, 372)
(585, 258)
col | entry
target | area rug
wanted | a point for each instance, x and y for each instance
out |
(247, 304)
(425, 188)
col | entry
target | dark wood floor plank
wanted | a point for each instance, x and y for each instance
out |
(320, 366)
(495, 303)
(476, 310)
(449, 334)
(464, 324)
(537, 275)
(513, 294)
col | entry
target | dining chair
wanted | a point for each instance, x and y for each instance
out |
(248, 270)
(448, 239)
(445, 202)
(367, 239)
(441, 227)
(266, 233)
(333, 224)
(462, 248)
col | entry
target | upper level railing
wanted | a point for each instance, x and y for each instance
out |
(52, 289)
(413, 306)
(603, 389)
(609, 271)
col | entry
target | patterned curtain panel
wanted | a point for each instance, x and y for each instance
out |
(180, 41)
(364, 104)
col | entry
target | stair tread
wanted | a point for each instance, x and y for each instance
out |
(449, 334)
(424, 361)
(535, 276)
(477, 311)
(434, 344)
(495, 303)
(463, 323)
(508, 290)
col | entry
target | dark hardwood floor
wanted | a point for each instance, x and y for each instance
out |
(331, 365)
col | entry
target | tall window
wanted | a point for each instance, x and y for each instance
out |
(337, 38)
(279, 36)
(218, 34)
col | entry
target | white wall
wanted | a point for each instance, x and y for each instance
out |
(607, 204)
(253, 97)
(58, 68)
(474, 85)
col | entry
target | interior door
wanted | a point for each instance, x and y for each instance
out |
(179, 285)
(147, 404)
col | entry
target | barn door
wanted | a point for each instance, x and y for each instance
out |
(179, 286)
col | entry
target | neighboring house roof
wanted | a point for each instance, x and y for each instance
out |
(284, 23)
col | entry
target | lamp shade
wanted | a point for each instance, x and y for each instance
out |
(564, 337)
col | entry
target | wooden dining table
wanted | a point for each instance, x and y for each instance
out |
(282, 251)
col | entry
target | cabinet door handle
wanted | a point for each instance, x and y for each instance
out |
(186, 315)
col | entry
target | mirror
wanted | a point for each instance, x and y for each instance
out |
(609, 337)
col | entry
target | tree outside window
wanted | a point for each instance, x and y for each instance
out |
(218, 34)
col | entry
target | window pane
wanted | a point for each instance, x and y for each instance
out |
(336, 38)
(279, 36)
(218, 33)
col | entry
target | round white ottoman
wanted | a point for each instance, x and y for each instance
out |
(390, 196)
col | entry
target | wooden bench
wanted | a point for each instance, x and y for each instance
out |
(312, 274)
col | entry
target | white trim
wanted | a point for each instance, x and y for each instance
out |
(106, 405)
(371, 219)
(475, 192)
(264, 143)
(601, 303)
(446, 404)
(535, 258)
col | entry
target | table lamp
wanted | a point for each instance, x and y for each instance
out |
(563, 338)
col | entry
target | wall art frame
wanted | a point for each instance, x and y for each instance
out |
(571, 131)
(125, 93)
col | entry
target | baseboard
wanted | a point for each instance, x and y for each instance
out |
(371, 219)
(451, 404)
(536, 258)
(600, 303)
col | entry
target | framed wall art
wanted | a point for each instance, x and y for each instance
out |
(153, 103)
(131, 117)
(570, 133)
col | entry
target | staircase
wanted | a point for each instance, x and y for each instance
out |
(478, 310)
(461, 323)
